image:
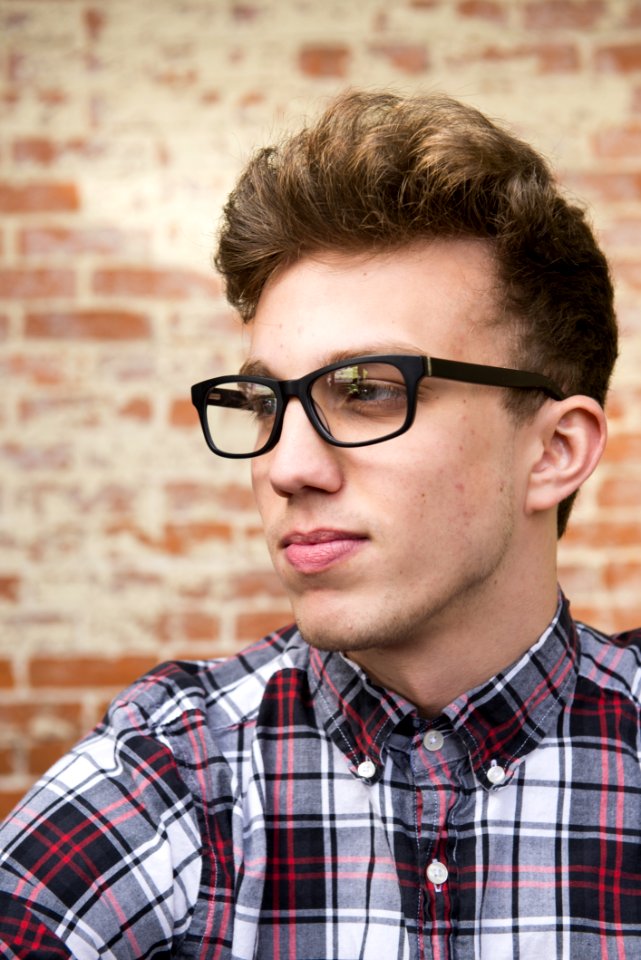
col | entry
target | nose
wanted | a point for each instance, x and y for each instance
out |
(301, 459)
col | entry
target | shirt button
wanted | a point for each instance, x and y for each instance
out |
(496, 774)
(366, 769)
(433, 740)
(437, 873)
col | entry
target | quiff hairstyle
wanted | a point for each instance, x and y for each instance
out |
(378, 172)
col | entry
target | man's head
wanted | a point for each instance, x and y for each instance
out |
(379, 173)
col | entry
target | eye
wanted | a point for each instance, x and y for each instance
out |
(378, 387)
(262, 404)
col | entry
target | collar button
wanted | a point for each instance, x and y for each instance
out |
(366, 770)
(496, 774)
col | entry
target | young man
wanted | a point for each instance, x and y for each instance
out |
(437, 761)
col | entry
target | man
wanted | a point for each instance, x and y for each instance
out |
(438, 762)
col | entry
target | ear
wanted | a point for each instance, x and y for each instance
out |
(569, 439)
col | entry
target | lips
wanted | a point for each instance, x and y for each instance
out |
(319, 549)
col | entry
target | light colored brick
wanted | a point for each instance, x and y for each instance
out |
(123, 538)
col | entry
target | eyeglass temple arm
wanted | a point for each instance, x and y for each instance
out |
(224, 397)
(491, 376)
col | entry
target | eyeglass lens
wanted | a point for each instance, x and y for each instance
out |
(355, 403)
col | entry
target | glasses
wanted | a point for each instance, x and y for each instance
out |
(351, 403)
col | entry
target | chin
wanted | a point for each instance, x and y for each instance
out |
(321, 631)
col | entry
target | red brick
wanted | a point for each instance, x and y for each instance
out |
(615, 187)
(176, 538)
(190, 625)
(129, 578)
(63, 241)
(557, 14)
(548, 57)
(42, 755)
(76, 411)
(176, 79)
(619, 141)
(624, 448)
(9, 799)
(624, 232)
(7, 761)
(407, 57)
(40, 370)
(251, 99)
(4, 327)
(187, 495)
(182, 413)
(169, 283)
(244, 12)
(602, 533)
(633, 18)
(610, 619)
(622, 575)
(29, 713)
(94, 21)
(579, 580)
(254, 626)
(56, 456)
(38, 197)
(52, 96)
(618, 58)
(557, 58)
(78, 671)
(628, 272)
(88, 325)
(6, 673)
(137, 408)
(40, 150)
(36, 282)
(483, 10)
(44, 152)
(255, 584)
(324, 60)
(620, 491)
(10, 588)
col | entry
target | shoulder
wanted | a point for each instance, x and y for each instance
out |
(226, 691)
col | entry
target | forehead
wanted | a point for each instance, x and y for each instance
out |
(437, 298)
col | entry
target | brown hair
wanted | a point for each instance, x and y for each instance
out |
(379, 171)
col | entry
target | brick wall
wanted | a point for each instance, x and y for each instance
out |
(122, 540)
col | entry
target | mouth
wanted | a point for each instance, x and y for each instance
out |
(318, 550)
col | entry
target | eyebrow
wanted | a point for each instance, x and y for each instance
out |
(256, 368)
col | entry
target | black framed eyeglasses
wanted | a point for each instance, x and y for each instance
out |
(350, 403)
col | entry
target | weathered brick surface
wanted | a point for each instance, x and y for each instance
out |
(122, 540)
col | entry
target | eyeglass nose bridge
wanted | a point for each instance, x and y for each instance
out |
(299, 389)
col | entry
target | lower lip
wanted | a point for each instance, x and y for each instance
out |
(314, 557)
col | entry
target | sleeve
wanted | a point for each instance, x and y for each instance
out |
(102, 859)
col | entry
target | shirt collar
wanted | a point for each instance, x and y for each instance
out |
(503, 720)
(499, 722)
(357, 715)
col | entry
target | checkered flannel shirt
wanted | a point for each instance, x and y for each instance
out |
(278, 805)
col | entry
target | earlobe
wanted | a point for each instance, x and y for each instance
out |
(570, 439)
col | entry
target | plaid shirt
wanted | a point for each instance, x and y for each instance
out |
(278, 805)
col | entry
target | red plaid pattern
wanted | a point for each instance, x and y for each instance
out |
(278, 805)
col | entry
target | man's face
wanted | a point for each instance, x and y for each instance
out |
(382, 545)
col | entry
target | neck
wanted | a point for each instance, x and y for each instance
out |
(465, 647)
